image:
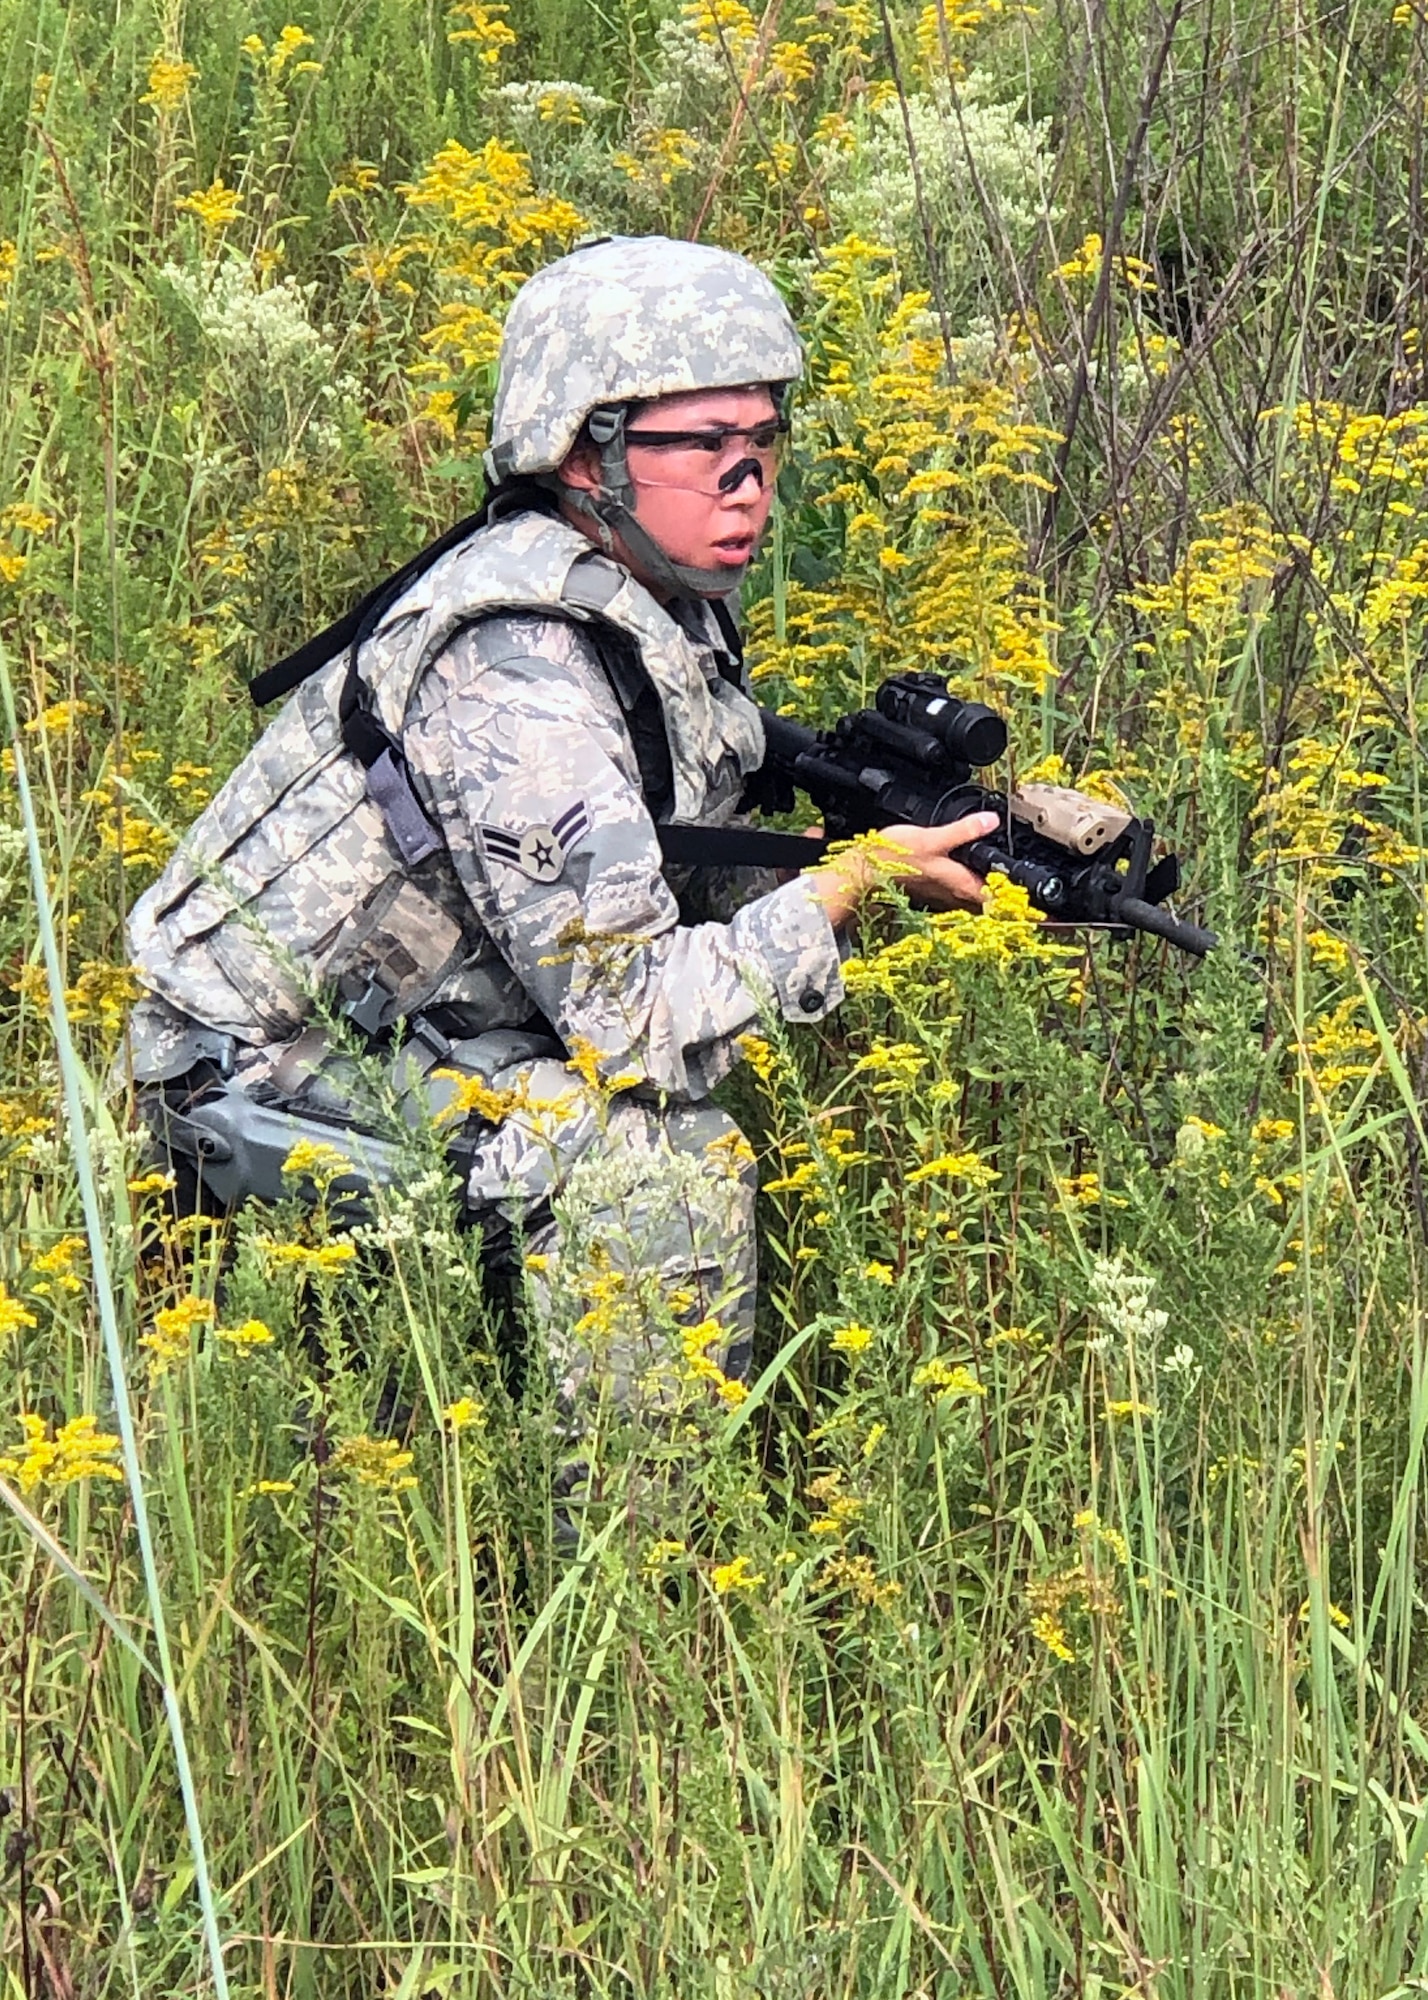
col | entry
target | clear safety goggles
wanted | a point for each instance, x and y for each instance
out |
(717, 460)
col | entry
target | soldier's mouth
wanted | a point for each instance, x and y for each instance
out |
(736, 547)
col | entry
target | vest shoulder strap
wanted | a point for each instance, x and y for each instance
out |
(642, 711)
(381, 756)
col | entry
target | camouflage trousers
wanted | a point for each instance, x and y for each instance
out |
(633, 1219)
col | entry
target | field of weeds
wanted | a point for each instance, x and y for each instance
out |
(1042, 1623)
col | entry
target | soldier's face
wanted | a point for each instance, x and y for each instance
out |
(701, 511)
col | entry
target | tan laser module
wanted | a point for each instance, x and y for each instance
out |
(1084, 824)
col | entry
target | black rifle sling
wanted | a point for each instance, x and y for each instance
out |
(315, 653)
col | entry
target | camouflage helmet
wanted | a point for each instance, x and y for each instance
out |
(622, 321)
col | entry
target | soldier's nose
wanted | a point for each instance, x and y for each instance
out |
(734, 478)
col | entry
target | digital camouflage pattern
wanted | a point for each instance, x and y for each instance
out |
(548, 903)
(287, 890)
(664, 1203)
(623, 321)
(514, 732)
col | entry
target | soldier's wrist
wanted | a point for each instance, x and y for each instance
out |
(840, 885)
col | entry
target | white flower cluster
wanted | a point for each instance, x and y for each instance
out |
(272, 326)
(282, 366)
(1182, 1361)
(564, 130)
(978, 142)
(533, 105)
(692, 75)
(1120, 1299)
(644, 1202)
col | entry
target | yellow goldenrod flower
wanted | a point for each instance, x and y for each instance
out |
(1332, 953)
(137, 842)
(852, 1339)
(1049, 770)
(1088, 1522)
(56, 1267)
(1015, 1336)
(171, 1337)
(856, 1575)
(215, 206)
(28, 520)
(735, 1575)
(58, 1260)
(1052, 1634)
(879, 1274)
(103, 994)
(1336, 1616)
(252, 1333)
(1206, 1130)
(320, 1260)
(587, 1062)
(465, 1410)
(700, 1365)
(473, 1096)
(897, 1065)
(77, 1451)
(19, 1119)
(490, 192)
(760, 1055)
(956, 1166)
(181, 779)
(169, 80)
(484, 30)
(946, 1378)
(376, 1462)
(662, 1552)
(314, 1159)
(725, 23)
(1084, 1191)
(288, 44)
(731, 1150)
(790, 67)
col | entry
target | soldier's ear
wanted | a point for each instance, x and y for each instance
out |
(581, 467)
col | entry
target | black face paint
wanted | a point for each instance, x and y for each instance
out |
(734, 478)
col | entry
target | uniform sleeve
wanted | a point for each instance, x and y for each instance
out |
(532, 778)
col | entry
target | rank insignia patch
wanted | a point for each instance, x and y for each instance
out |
(540, 851)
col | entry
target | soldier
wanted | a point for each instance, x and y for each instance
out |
(446, 843)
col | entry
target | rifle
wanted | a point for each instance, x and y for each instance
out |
(909, 761)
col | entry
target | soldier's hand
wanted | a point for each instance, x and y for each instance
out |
(920, 857)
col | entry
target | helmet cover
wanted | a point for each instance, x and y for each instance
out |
(626, 320)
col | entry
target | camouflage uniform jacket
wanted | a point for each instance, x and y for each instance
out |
(289, 894)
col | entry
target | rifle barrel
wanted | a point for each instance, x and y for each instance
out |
(1146, 917)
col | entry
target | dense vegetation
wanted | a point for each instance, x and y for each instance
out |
(1042, 1621)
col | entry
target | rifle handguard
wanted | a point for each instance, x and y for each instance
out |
(907, 762)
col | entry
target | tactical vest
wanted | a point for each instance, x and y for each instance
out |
(312, 876)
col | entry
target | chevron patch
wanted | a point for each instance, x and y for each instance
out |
(540, 851)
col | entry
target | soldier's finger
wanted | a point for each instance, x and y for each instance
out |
(976, 826)
(960, 884)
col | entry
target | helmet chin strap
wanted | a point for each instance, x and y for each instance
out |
(611, 512)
